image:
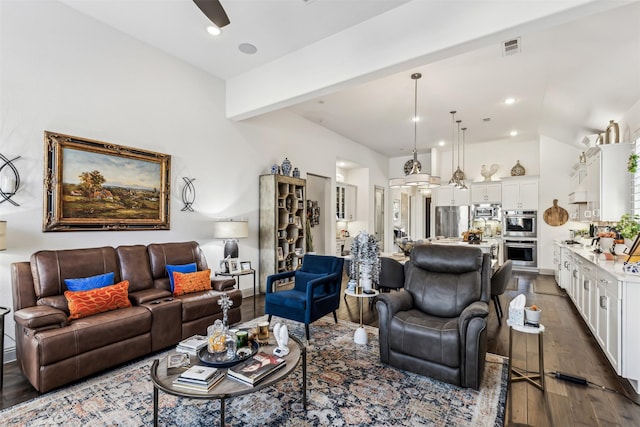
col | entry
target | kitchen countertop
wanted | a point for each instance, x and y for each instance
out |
(613, 267)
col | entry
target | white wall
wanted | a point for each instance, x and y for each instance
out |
(556, 160)
(64, 72)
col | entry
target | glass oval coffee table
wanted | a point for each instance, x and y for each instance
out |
(227, 387)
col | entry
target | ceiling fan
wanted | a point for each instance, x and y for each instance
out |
(214, 11)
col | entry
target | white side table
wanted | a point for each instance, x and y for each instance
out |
(516, 374)
(360, 336)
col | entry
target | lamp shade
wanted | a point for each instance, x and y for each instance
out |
(231, 229)
(417, 179)
(3, 235)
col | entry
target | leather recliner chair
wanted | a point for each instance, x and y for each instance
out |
(437, 326)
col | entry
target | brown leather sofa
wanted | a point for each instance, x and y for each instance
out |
(53, 351)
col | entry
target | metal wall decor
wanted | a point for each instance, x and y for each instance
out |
(188, 194)
(10, 182)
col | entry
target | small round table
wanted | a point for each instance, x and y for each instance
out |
(514, 373)
(360, 335)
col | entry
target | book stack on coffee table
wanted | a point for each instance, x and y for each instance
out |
(256, 368)
(199, 378)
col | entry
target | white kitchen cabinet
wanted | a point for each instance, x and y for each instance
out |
(448, 195)
(588, 293)
(486, 192)
(608, 182)
(346, 202)
(577, 212)
(609, 317)
(520, 193)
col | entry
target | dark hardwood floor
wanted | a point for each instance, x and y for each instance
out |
(568, 347)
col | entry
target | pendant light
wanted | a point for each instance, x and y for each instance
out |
(458, 175)
(452, 181)
(462, 185)
(415, 177)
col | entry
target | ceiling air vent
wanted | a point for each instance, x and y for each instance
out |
(511, 47)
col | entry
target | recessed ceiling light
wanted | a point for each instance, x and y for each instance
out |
(509, 101)
(486, 119)
(247, 48)
(513, 133)
(441, 143)
(213, 30)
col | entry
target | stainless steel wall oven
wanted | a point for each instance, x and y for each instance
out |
(520, 224)
(522, 252)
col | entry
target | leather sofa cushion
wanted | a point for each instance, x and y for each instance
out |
(203, 304)
(93, 332)
(134, 267)
(161, 254)
(410, 329)
(50, 268)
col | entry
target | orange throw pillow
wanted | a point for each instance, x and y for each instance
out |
(94, 301)
(186, 283)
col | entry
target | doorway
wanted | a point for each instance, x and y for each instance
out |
(427, 217)
(319, 195)
(378, 219)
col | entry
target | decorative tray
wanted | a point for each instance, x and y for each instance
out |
(242, 353)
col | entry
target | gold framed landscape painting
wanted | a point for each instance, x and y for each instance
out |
(99, 186)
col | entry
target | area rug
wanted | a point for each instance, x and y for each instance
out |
(346, 385)
(547, 286)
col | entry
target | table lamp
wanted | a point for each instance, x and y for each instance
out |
(3, 236)
(230, 231)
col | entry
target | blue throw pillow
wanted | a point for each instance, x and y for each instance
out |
(184, 268)
(88, 283)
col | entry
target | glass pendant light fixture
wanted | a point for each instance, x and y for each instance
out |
(415, 177)
(462, 185)
(458, 175)
(452, 181)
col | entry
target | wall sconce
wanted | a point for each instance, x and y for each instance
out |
(230, 231)
(188, 194)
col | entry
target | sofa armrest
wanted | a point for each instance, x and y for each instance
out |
(275, 277)
(476, 309)
(146, 295)
(222, 284)
(40, 316)
(388, 305)
(395, 302)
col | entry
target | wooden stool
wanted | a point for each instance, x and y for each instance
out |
(515, 374)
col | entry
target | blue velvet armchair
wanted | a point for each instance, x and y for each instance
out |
(316, 291)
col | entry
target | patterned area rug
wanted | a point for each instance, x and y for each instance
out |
(347, 386)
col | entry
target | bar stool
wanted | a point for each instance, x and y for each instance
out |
(515, 374)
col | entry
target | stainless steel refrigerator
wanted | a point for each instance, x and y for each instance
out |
(451, 221)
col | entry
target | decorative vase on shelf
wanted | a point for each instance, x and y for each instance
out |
(286, 167)
(517, 170)
(296, 173)
(275, 169)
(612, 135)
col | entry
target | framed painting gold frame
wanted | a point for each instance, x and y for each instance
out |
(98, 186)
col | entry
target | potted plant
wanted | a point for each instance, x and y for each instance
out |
(628, 227)
(365, 261)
